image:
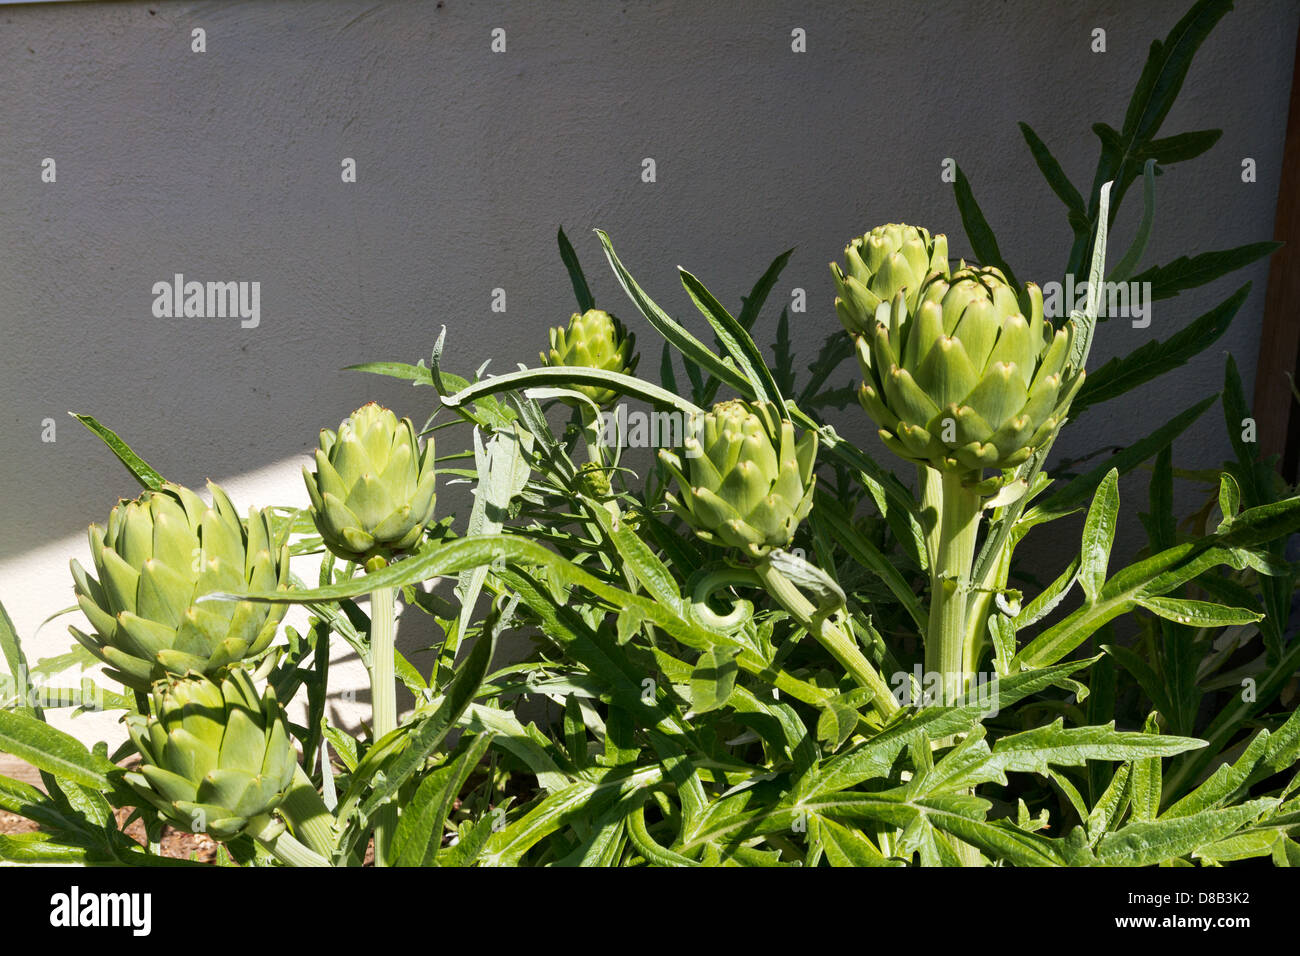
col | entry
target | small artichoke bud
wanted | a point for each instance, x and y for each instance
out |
(372, 494)
(973, 377)
(157, 555)
(213, 755)
(887, 260)
(594, 339)
(746, 482)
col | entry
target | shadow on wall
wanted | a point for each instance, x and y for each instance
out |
(230, 166)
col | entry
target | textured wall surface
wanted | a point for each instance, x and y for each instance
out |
(225, 165)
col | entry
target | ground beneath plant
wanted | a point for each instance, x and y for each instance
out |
(175, 843)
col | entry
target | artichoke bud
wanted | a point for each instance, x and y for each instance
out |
(372, 493)
(971, 376)
(594, 479)
(213, 755)
(593, 339)
(746, 482)
(153, 559)
(887, 260)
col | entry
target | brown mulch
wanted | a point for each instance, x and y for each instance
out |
(11, 823)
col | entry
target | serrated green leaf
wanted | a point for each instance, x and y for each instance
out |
(1190, 272)
(1154, 358)
(1033, 751)
(1081, 489)
(846, 847)
(1145, 844)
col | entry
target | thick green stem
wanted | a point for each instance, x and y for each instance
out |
(842, 647)
(592, 428)
(954, 511)
(951, 538)
(280, 843)
(383, 700)
(307, 814)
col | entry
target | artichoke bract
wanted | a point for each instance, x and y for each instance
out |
(157, 555)
(372, 494)
(214, 755)
(746, 483)
(889, 259)
(593, 339)
(973, 378)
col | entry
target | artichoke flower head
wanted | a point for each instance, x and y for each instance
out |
(746, 482)
(154, 558)
(372, 493)
(593, 339)
(888, 260)
(214, 754)
(973, 377)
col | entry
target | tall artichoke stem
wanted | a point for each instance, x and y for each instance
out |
(951, 543)
(280, 843)
(840, 645)
(383, 700)
(307, 814)
(591, 432)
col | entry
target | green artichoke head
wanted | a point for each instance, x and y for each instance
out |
(372, 493)
(155, 557)
(746, 483)
(886, 261)
(974, 378)
(593, 339)
(214, 754)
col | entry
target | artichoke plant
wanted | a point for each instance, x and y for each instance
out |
(746, 483)
(593, 339)
(157, 555)
(886, 261)
(215, 756)
(974, 377)
(372, 493)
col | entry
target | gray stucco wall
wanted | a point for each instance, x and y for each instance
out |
(226, 165)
